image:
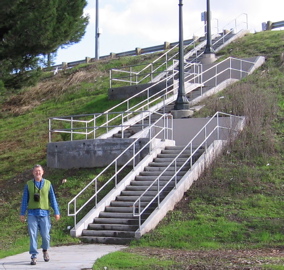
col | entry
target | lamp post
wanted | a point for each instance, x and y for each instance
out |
(97, 31)
(209, 53)
(181, 101)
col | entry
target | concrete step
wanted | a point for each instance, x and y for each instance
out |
(152, 188)
(133, 221)
(175, 152)
(125, 204)
(134, 198)
(109, 233)
(168, 160)
(155, 171)
(106, 240)
(154, 177)
(171, 155)
(169, 171)
(113, 227)
(137, 193)
(146, 184)
(116, 215)
(162, 165)
(111, 209)
(116, 209)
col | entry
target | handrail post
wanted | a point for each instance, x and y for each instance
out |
(158, 187)
(230, 63)
(94, 126)
(49, 130)
(86, 132)
(71, 128)
(75, 212)
(96, 190)
(191, 150)
(133, 153)
(216, 74)
(115, 171)
(122, 123)
(241, 69)
(107, 122)
(218, 127)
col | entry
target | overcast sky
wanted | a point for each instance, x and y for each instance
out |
(127, 24)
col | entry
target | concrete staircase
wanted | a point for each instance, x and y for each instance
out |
(117, 224)
(217, 42)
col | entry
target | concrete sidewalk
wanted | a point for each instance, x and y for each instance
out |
(76, 257)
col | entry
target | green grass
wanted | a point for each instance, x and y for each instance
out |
(122, 260)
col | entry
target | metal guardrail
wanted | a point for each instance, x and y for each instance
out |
(152, 49)
(137, 51)
(194, 145)
(91, 126)
(272, 25)
(83, 198)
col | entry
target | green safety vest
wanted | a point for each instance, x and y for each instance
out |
(44, 192)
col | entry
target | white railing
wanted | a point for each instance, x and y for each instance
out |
(131, 77)
(93, 125)
(147, 73)
(230, 68)
(161, 128)
(214, 129)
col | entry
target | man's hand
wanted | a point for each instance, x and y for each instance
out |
(57, 217)
(22, 219)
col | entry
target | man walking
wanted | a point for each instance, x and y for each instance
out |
(38, 196)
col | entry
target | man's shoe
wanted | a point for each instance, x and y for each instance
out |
(45, 256)
(33, 261)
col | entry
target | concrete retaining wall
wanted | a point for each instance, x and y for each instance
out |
(91, 153)
(101, 152)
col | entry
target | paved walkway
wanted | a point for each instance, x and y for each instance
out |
(76, 257)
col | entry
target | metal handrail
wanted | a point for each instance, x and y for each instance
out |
(165, 131)
(165, 55)
(133, 74)
(140, 106)
(137, 208)
(197, 76)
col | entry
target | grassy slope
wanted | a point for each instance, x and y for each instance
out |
(236, 204)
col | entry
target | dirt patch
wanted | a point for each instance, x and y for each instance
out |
(49, 88)
(216, 259)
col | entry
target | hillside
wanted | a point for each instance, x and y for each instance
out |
(236, 205)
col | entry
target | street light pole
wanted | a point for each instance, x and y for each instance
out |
(181, 101)
(209, 53)
(97, 31)
(208, 48)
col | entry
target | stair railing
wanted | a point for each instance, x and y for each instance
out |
(88, 126)
(91, 126)
(160, 129)
(132, 77)
(214, 129)
(230, 68)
